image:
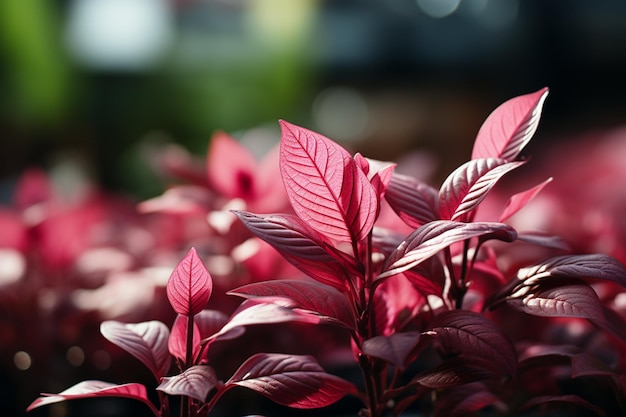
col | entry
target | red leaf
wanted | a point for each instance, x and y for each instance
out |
(456, 371)
(394, 348)
(465, 399)
(231, 167)
(469, 184)
(326, 187)
(509, 128)
(519, 200)
(292, 380)
(300, 245)
(474, 336)
(568, 399)
(196, 382)
(190, 285)
(91, 389)
(177, 342)
(320, 299)
(435, 236)
(414, 201)
(146, 341)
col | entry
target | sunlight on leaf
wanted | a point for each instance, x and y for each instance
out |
(190, 285)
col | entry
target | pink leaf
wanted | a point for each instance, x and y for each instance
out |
(414, 201)
(190, 285)
(519, 200)
(146, 341)
(177, 342)
(189, 199)
(469, 184)
(510, 127)
(91, 389)
(300, 245)
(435, 236)
(196, 382)
(474, 336)
(395, 348)
(320, 299)
(326, 187)
(210, 322)
(231, 167)
(292, 380)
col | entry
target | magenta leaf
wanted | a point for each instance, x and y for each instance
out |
(395, 348)
(574, 400)
(320, 299)
(91, 389)
(291, 380)
(300, 245)
(519, 200)
(230, 167)
(190, 285)
(509, 128)
(460, 332)
(468, 185)
(414, 201)
(432, 237)
(326, 187)
(146, 341)
(177, 342)
(196, 382)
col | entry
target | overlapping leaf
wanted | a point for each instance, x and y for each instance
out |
(468, 185)
(195, 382)
(519, 200)
(177, 342)
(146, 341)
(394, 349)
(432, 237)
(415, 202)
(91, 389)
(324, 301)
(326, 187)
(291, 380)
(190, 285)
(509, 128)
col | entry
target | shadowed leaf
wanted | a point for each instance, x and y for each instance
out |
(394, 348)
(414, 201)
(573, 400)
(196, 382)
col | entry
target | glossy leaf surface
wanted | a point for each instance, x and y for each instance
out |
(509, 128)
(146, 341)
(326, 187)
(291, 380)
(195, 382)
(190, 285)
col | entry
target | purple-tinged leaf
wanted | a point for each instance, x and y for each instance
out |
(519, 200)
(463, 400)
(414, 201)
(394, 349)
(574, 400)
(509, 128)
(571, 300)
(196, 382)
(542, 239)
(210, 322)
(456, 371)
(177, 343)
(474, 336)
(190, 285)
(432, 237)
(326, 187)
(300, 245)
(291, 380)
(582, 363)
(325, 301)
(92, 388)
(146, 341)
(468, 185)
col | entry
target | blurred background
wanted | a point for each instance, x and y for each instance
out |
(90, 88)
(96, 81)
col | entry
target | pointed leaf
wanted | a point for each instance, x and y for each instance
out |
(509, 128)
(320, 299)
(300, 245)
(414, 201)
(190, 285)
(435, 236)
(177, 342)
(92, 388)
(326, 187)
(474, 336)
(196, 382)
(394, 348)
(292, 380)
(519, 200)
(469, 184)
(146, 341)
